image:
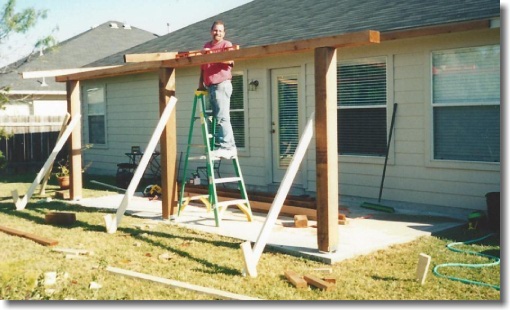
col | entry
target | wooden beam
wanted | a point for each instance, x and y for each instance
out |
(33, 237)
(168, 145)
(435, 30)
(341, 40)
(73, 107)
(127, 69)
(148, 57)
(182, 285)
(326, 148)
(53, 73)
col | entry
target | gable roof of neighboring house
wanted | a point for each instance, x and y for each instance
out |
(263, 22)
(96, 43)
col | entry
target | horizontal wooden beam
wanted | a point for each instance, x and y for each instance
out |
(337, 41)
(129, 68)
(53, 73)
(149, 57)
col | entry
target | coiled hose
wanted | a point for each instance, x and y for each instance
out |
(450, 246)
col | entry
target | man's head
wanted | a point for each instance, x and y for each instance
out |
(217, 31)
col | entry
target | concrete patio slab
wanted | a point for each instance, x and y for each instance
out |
(366, 230)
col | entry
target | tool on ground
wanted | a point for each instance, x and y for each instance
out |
(378, 206)
(208, 135)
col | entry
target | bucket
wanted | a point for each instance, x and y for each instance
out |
(493, 210)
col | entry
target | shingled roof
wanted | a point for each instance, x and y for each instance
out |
(96, 43)
(262, 22)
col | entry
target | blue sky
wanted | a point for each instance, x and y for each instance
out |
(74, 17)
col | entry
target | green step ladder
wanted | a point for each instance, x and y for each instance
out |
(211, 199)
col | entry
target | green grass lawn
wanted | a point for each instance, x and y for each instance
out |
(167, 251)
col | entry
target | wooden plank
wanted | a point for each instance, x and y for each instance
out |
(326, 148)
(318, 282)
(295, 279)
(42, 190)
(36, 238)
(148, 57)
(251, 257)
(182, 285)
(168, 145)
(74, 109)
(299, 46)
(423, 268)
(113, 222)
(57, 72)
(22, 203)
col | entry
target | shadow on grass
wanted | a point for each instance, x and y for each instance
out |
(141, 235)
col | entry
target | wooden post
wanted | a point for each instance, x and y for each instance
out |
(326, 148)
(168, 144)
(74, 107)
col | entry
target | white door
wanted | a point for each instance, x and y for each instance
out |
(284, 120)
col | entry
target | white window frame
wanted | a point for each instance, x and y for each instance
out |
(453, 163)
(89, 113)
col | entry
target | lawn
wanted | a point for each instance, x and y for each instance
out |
(159, 249)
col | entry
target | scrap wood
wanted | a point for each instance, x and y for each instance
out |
(72, 251)
(300, 221)
(38, 239)
(177, 284)
(295, 279)
(318, 282)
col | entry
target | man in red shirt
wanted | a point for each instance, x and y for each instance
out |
(217, 79)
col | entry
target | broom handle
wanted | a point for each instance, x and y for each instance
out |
(387, 150)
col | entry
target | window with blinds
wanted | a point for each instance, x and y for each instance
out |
(361, 114)
(96, 114)
(237, 110)
(466, 104)
(288, 123)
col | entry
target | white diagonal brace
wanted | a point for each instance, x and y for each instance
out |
(111, 222)
(21, 203)
(251, 257)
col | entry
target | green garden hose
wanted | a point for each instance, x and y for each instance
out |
(451, 247)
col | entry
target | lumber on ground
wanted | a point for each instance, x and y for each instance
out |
(318, 282)
(261, 206)
(177, 284)
(38, 239)
(295, 279)
(60, 218)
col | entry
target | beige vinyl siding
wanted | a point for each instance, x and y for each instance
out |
(131, 116)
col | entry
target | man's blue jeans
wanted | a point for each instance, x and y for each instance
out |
(219, 97)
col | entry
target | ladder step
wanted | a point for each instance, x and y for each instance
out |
(231, 202)
(227, 180)
(199, 145)
(197, 157)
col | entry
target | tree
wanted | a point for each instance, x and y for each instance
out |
(12, 22)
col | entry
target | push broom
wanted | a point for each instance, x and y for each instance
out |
(378, 206)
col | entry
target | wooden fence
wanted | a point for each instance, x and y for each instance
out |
(30, 142)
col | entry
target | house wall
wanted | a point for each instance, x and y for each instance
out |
(412, 176)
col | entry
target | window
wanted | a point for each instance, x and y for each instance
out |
(236, 110)
(361, 91)
(96, 114)
(466, 104)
